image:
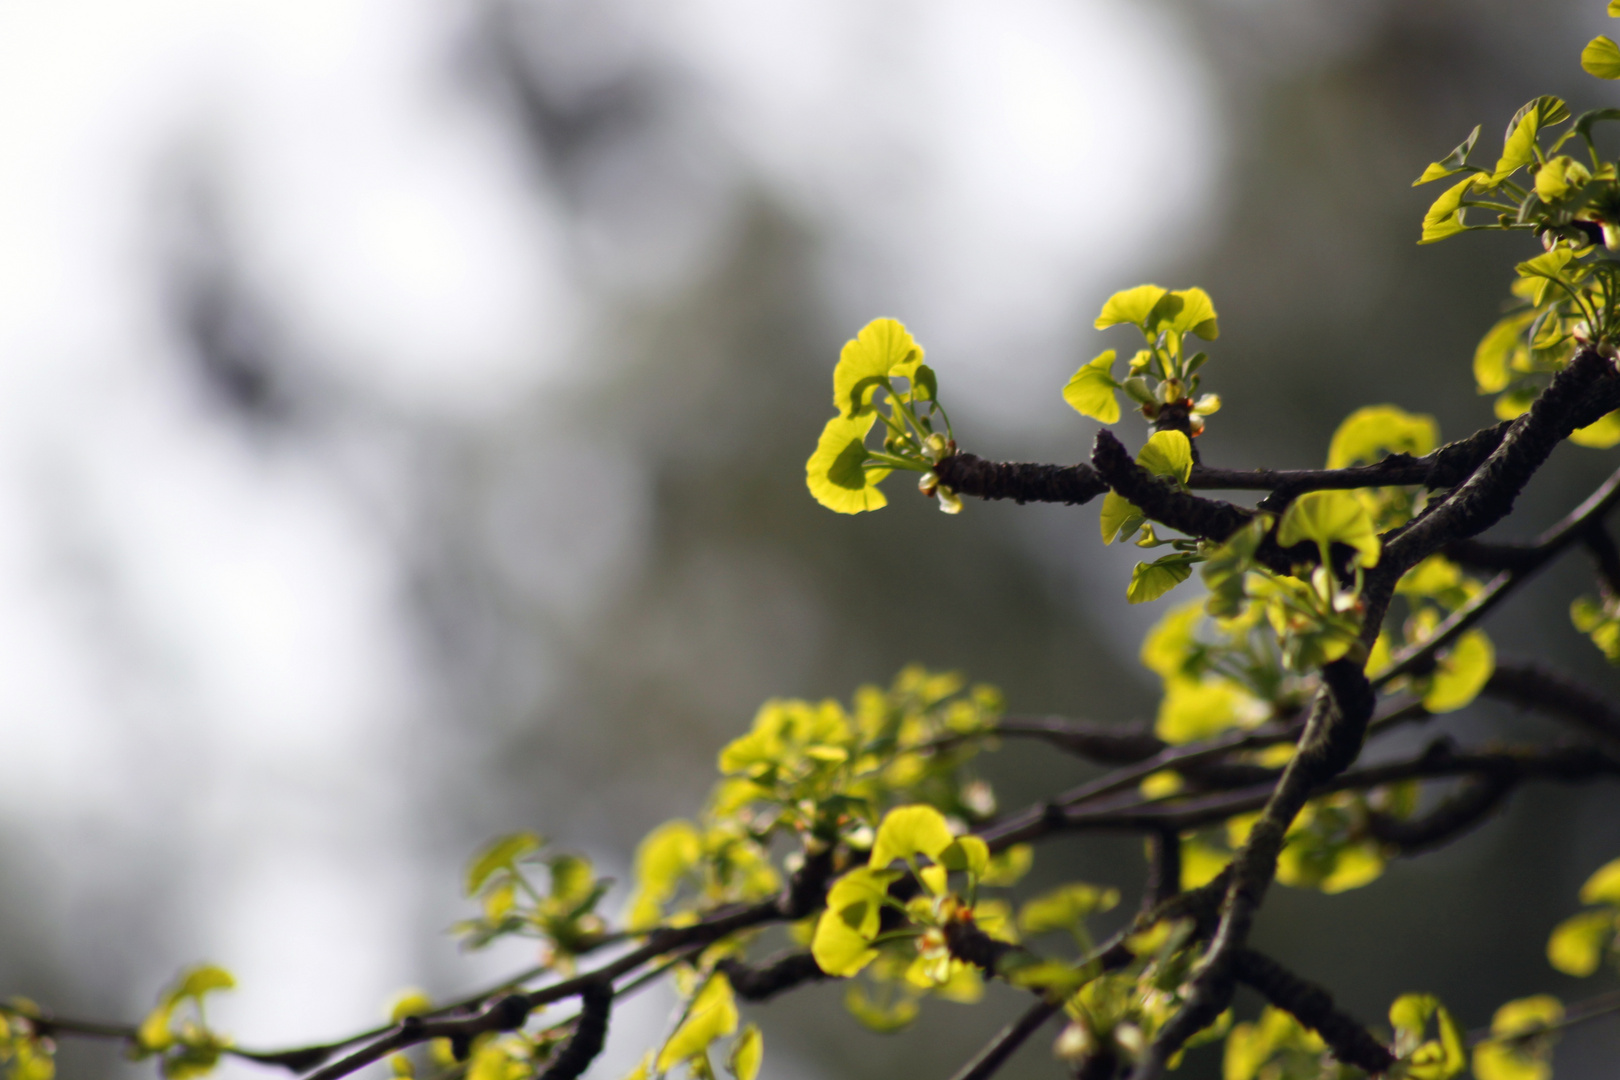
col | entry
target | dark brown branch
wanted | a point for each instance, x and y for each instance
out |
(1312, 1006)
(1162, 500)
(989, 1060)
(1106, 744)
(590, 1032)
(1164, 868)
(969, 474)
(1525, 562)
(1333, 737)
(1544, 690)
(1446, 822)
(772, 977)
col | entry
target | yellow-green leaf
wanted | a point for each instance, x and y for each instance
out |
(1461, 674)
(1444, 216)
(1508, 1054)
(877, 1017)
(203, 979)
(1190, 710)
(713, 1014)
(837, 474)
(1330, 517)
(1496, 348)
(1519, 148)
(1090, 391)
(1197, 314)
(909, 831)
(747, 1053)
(966, 853)
(883, 348)
(1452, 163)
(643, 1069)
(1168, 644)
(1371, 432)
(409, 1002)
(1603, 887)
(500, 854)
(1600, 435)
(1118, 514)
(1601, 57)
(154, 1033)
(661, 860)
(1066, 907)
(1577, 944)
(1130, 306)
(840, 949)
(1149, 581)
(1167, 453)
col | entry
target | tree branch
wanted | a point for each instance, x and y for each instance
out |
(1312, 1006)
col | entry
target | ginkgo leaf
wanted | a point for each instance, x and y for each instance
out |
(712, 1015)
(1130, 306)
(1197, 314)
(968, 853)
(1599, 435)
(1375, 430)
(1090, 391)
(1461, 674)
(1601, 57)
(1577, 944)
(502, 853)
(909, 831)
(1151, 580)
(1444, 218)
(1330, 517)
(1119, 517)
(884, 348)
(1603, 887)
(747, 1053)
(837, 474)
(1452, 163)
(1167, 453)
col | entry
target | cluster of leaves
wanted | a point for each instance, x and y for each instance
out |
(1161, 376)
(843, 473)
(177, 1029)
(562, 916)
(23, 1051)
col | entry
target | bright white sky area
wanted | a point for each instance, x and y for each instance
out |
(209, 654)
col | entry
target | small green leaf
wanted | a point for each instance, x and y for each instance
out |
(1149, 581)
(1452, 163)
(1461, 674)
(1513, 1052)
(1577, 944)
(1197, 314)
(1132, 306)
(1090, 391)
(500, 854)
(1600, 435)
(197, 981)
(876, 1017)
(713, 1014)
(883, 349)
(662, 859)
(1120, 517)
(1191, 710)
(1330, 517)
(1167, 453)
(909, 831)
(1496, 348)
(1519, 146)
(154, 1033)
(411, 1002)
(967, 853)
(747, 1053)
(1065, 908)
(1601, 57)
(843, 936)
(1444, 216)
(837, 474)
(1603, 887)
(1371, 432)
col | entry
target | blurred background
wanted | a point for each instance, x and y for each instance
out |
(403, 409)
